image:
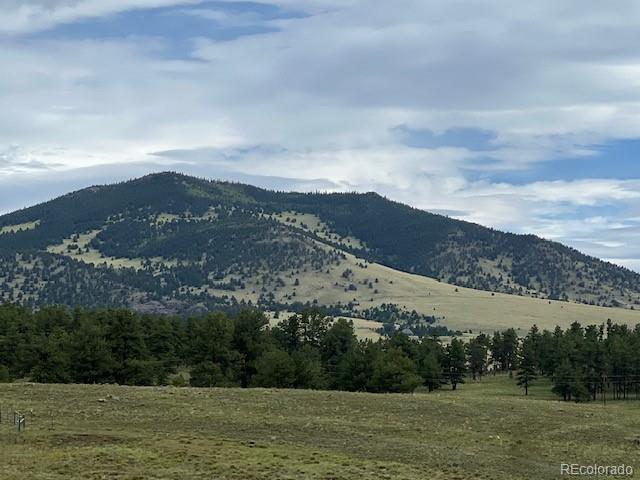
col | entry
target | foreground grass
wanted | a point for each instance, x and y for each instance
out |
(486, 430)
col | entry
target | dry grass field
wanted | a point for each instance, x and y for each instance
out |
(485, 430)
(456, 307)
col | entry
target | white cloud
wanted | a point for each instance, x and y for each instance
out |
(577, 192)
(319, 98)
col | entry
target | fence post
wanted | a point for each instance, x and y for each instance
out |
(22, 422)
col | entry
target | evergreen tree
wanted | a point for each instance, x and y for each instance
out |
(563, 379)
(125, 338)
(355, 367)
(338, 341)
(275, 368)
(527, 368)
(308, 368)
(509, 350)
(393, 371)
(455, 363)
(53, 364)
(249, 339)
(477, 351)
(91, 358)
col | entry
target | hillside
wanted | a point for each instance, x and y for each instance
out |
(177, 244)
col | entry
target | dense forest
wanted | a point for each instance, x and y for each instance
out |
(305, 350)
(187, 245)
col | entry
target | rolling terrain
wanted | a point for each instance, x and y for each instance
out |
(487, 430)
(168, 243)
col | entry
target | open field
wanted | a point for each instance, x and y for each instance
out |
(456, 307)
(19, 227)
(465, 308)
(486, 430)
(92, 256)
(87, 254)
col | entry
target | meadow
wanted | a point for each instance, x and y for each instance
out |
(485, 430)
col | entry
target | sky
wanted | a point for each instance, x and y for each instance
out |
(522, 116)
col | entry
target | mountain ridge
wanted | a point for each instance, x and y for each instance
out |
(171, 239)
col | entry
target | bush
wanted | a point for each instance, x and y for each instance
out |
(4, 374)
(179, 381)
(207, 374)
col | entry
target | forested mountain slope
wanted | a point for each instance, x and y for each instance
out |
(168, 242)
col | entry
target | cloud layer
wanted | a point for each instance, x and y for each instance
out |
(447, 105)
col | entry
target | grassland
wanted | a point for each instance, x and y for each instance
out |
(456, 307)
(465, 308)
(312, 224)
(485, 430)
(19, 227)
(84, 252)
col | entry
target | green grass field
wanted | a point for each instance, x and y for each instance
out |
(486, 430)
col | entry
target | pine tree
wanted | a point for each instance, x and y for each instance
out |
(563, 379)
(393, 371)
(527, 371)
(275, 368)
(477, 349)
(455, 362)
(430, 371)
(91, 358)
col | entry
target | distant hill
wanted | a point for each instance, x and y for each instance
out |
(177, 244)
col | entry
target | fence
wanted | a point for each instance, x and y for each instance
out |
(19, 420)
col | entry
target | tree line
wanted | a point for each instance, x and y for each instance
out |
(584, 363)
(305, 350)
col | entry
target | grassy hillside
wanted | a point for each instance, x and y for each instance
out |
(462, 308)
(168, 243)
(484, 430)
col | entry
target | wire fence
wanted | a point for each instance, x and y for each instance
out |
(14, 419)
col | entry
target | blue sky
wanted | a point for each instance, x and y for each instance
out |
(522, 119)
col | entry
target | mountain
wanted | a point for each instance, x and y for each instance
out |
(177, 244)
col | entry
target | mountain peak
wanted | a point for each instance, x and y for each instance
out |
(183, 242)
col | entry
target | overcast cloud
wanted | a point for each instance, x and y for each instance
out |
(519, 116)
